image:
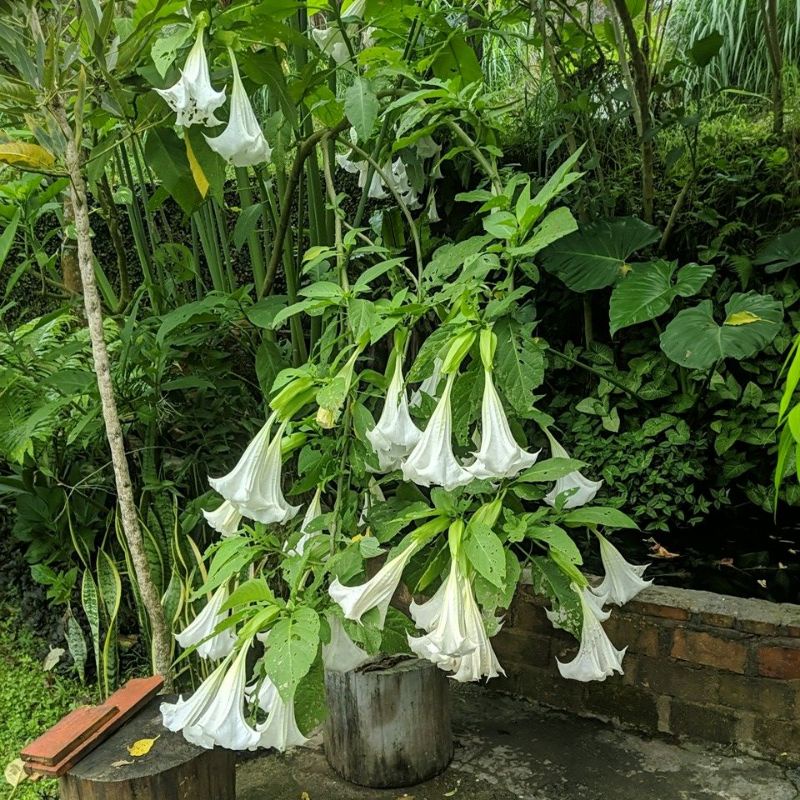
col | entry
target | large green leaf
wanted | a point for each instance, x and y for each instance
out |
(594, 256)
(485, 552)
(780, 253)
(650, 288)
(293, 643)
(519, 363)
(166, 155)
(361, 107)
(694, 338)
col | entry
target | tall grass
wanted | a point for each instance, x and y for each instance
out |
(743, 61)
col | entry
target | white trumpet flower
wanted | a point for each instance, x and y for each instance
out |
(222, 723)
(341, 654)
(499, 456)
(395, 433)
(433, 213)
(377, 592)
(254, 484)
(594, 600)
(280, 730)
(204, 625)
(330, 41)
(482, 661)
(374, 494)
(622, 581)
(597, 657)
(314, 510)
(176, 716)
(242, 143)
(432, 461)
(225, 520)
(444, 619)
(193, 98)
(582, 490)
(429, 386)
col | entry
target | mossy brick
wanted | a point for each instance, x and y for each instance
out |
(665, 676)
(765, 696)
(629, 705)
(702, 721)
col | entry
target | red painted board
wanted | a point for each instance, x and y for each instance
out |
(127, 701)
(52, 746)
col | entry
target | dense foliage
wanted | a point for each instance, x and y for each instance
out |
(596, 204)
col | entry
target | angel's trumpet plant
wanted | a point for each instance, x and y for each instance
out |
(622, 581)
(225, 520)
(581, 490)
(204, 625)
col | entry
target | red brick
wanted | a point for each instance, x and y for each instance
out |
(699, 647)
(779, 662)
(657, 610)
(678, 679)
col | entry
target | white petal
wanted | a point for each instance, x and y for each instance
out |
(342, 654)
(377, 592)
(314, 510)
(280, 731)
(223, 721)
(242, 143)
(429, 386)
(582, 490)
(395, 433)
(597, 657)
(499, 456)
(181, 713)
(482, 662)
(432, 461)
(225, 520)
(622, 581)
(203, 625)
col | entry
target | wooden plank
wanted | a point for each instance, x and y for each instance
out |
(126, 701)
(52, 746)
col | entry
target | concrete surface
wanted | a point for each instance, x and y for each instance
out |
(508, 749)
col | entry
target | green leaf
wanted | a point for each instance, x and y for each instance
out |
(456, 59)
(519, 363)
(7, 237)
(549, 580)
(500, 224)
(293, 644)
(778, 254)
(485, 552)
(554, 226)
(594, 256)
(166, 156)
(649, 290)
(255, 590)
(550, 469)
(704, 50)
(599, 515)
(557, 539)
(694, 339)
(361, 107)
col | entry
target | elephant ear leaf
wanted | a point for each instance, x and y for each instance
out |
(649, 289)
(780, 253)
(595, 256)
(694, 339)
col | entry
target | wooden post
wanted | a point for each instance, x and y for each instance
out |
(389, 722)
(172, 770)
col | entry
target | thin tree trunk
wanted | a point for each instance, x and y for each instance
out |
(641, 75)
(70, 272)
(776, 62)
(130, 521)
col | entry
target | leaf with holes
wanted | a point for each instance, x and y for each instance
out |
(519, 363)
(293, 643)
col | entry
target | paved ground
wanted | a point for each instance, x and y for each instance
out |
(507, 749)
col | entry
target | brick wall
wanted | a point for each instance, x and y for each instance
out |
(699, 665)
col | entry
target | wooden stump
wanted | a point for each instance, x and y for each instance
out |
(389, 722)
(172, 770)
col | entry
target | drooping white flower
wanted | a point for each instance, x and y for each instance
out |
(401, 184)
(225, 520)
(582, 490)
(341, 654)
(330, 41)
(280, 730)
(254, 484)
(429, 386)
(395, 433)
(204, 624)
(594, 601)
(433, 213)
(242, 143)
(432, 461)
(176, 716)
(622, 581)
(193, 98)
(374, 494)
(443, 617)
(313, 511)
(222, 723)
(482, 661)
(597, 657)
(377, 592)
(499, 456)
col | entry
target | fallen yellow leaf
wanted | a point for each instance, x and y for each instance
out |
(15, 772)
(142, 747)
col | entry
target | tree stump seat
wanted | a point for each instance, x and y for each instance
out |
(174, 769)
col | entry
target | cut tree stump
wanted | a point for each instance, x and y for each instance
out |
(389, 722)
(174, 769)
